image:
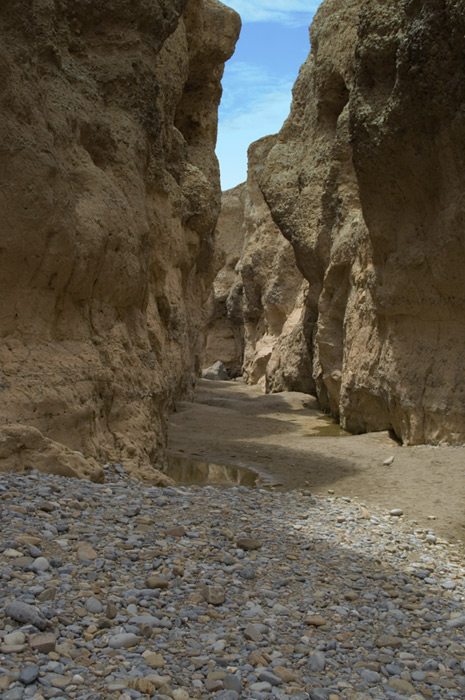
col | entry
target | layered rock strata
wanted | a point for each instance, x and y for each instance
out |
(109, 193)
(366, 182)
(257, 304)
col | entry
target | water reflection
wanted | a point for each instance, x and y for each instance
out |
(185, 470)
(327, 427)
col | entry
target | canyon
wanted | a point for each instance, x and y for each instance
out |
(331, 281)
(364, 182)
(335, 270)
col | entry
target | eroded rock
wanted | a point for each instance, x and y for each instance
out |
(257, 304)
(109, 199)
(364, 183)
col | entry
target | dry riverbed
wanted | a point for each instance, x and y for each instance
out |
(290, 442)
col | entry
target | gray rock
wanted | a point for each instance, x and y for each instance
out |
(227, 695)
(253, 633)
(232, 682)
(29, 674)
(14, 638)
(26, 614)
(449, 585)
(419, 675)
(456, 622)
(269, 678)
(40, 564)
(317, 662)
(261, 687)
(370, 676)
(94, 606)
(14, 694)
(124, 640)
(247, 573)
(319, 694)
(216, 372)
(146, 620)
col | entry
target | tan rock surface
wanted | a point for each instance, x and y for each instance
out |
(257, 303)
(223, 323)
(109, 193)
(365, 181)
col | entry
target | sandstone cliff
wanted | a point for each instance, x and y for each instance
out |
(109, 193)
(257, 304)
(224, 334)
(366, 182)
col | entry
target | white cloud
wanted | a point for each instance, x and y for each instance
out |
(294, 12)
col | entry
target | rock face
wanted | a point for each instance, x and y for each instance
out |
(366, 182)
(223, 327)
(257, 302)
(109, 195)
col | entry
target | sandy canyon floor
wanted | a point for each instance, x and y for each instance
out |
(291, 443)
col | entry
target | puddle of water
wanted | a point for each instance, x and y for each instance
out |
(327, 428)
(185, 470)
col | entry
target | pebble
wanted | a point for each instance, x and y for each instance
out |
(14, 638)
(232, 682)
(317, 662)
(94, 606)
(188, 592)
(124, 640)
(456, 622)
(86, 553)
(215, 595)
(248, 543)
(252, 632)
(22, 612)
(40, 564)
(43, 643)
(29, 674)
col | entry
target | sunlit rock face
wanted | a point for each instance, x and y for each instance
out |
(109, 192)
(366, 181)
(257, 303)
(223, 332)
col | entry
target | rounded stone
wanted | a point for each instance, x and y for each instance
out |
(94, 606)
(124, 640)
(29, 674)
(232, 682)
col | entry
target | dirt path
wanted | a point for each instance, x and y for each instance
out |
(286, 438)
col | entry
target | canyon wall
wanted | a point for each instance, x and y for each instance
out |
(109, 194)
(223, 332)
(366, 181)
(257, 305)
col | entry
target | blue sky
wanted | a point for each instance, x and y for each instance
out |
(258, 79)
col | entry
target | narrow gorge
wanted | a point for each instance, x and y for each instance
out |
(364, 181)
(330, 284)
(338, 263)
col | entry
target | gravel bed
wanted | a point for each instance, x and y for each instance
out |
(123, 590)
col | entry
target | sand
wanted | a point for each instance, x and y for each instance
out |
(291, 443)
